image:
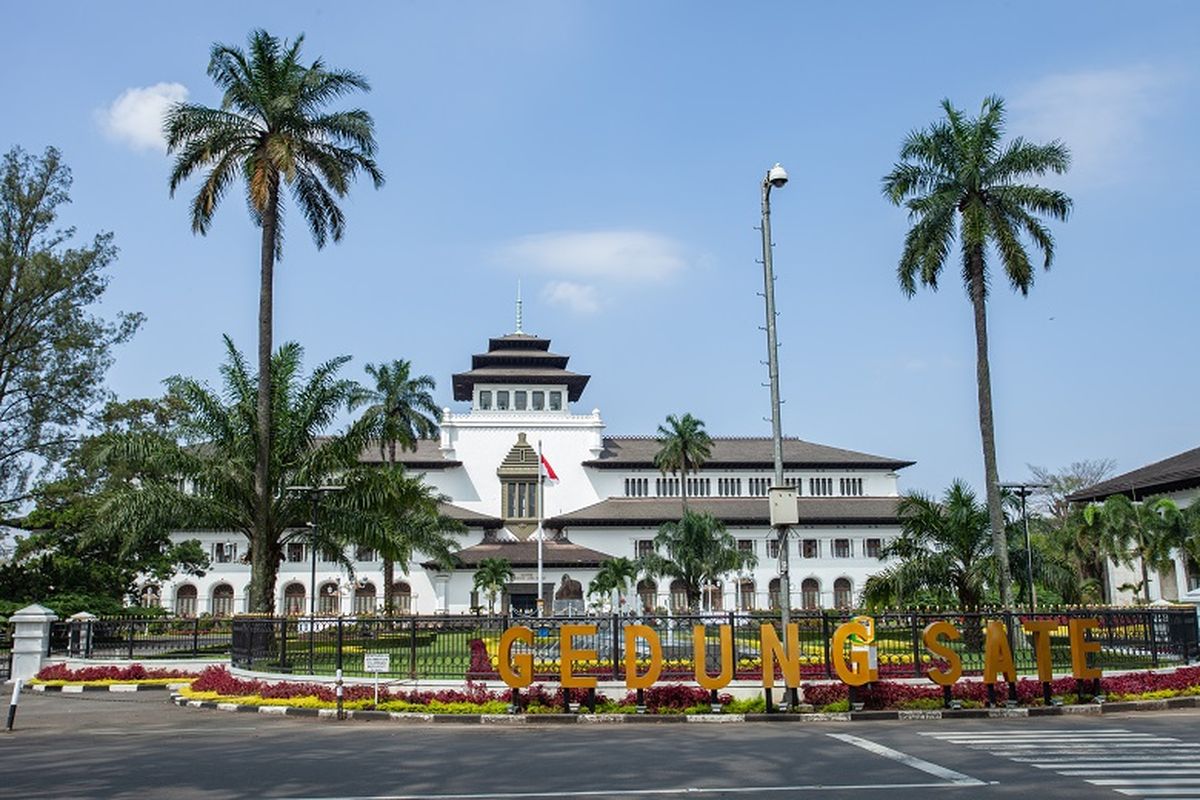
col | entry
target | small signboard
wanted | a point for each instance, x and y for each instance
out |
(377, 662)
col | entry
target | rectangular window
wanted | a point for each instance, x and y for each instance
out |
(644, 547)
(295, 551)
(329, 556)
(485, 400)
(519, 400)
(224, 553)
(810, 548)
(873, 547)
(365, 554)
(841, 548)
(746, 545)
(539, 401)
(772, 548)
(502, 400)
(556, 401)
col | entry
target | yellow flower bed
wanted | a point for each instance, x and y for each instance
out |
(257, 700)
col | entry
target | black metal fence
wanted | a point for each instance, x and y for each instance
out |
(149, 638)
(458, 647)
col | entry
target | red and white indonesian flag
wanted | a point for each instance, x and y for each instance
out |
(548, 470)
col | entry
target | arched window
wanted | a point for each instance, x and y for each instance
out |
(185, 600)
(713, 597)
(328, 599)
(679, 598)
(151, 596)
(364, 599)
(746, 595)
(647, 592)
(773, 594)
(401, 598)
(222, 600)
(810, 591)
(843, 593)
(293, 600)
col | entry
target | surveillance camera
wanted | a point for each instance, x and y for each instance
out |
(777, 176)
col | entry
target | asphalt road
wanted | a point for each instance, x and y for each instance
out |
(140, 746)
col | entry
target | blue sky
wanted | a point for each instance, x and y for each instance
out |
(609, 155)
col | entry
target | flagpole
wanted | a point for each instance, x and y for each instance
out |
(541, 484)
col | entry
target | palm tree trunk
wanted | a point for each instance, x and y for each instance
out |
(1145, 577)
(983, 378)
(389, 576)
(262, 582)
(683, 471)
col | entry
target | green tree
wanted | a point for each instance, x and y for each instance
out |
(207, 481)
(491, 576)
(944, 552)
(272, 129)
(66, 554)
(400, 411)
(696, 550)
(958, 180)
(684, 446)
(54, 351)
(614, 575)
(1147, 532)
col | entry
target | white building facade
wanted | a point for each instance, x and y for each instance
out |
(608, 501)
(1177, 479)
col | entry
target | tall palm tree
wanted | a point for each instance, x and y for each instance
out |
(400, 412)
(1147, 531)
(491, 576)
(958, 180)
(401, 407)
(944, 552)
(696, 550)
(684, 446)
(272, 129)
(614, 575)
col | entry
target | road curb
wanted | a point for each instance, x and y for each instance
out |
(76, 688)
(699, 719)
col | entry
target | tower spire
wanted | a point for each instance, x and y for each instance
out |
(518, 330)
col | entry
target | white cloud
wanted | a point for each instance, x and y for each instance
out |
(627, 256)
(581, 298)
(135, 118)
(1103, 116)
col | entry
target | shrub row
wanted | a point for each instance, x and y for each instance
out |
(134, 672)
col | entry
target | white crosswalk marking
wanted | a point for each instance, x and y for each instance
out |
(1122, 761)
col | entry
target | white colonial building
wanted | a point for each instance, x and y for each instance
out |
(1176, 478)
(608, 500)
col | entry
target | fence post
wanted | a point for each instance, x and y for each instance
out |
(30, 640)
(283, 653)
(131, 632)
(733, 641)
(196, 636)
(412, 649)
(339, 646)
(916, 644)
(615, 648)
(1153, 636)
(825, 636)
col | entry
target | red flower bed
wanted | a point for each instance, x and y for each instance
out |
(888, 694)
(674, 696)
(134, 672)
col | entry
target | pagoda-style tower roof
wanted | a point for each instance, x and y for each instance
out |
(518, 358)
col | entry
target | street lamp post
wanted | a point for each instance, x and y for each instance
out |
(783, 507)
(1023, 490)
(314, 494)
